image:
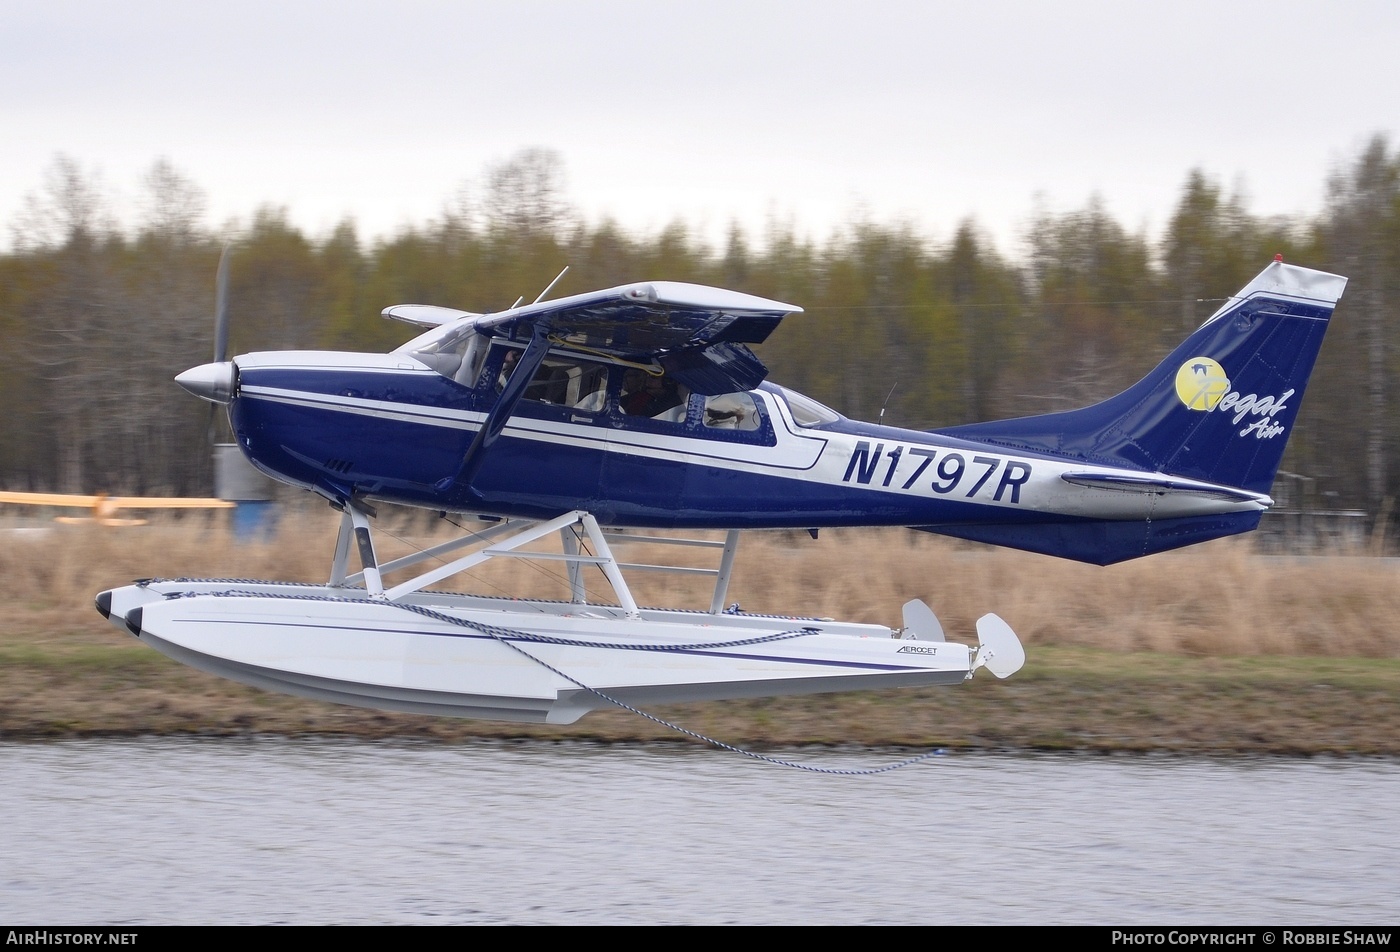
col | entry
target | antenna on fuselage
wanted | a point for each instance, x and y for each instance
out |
(551, 285)
(887, 402)
(548, 288)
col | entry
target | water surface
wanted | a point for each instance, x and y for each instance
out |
(295, 831)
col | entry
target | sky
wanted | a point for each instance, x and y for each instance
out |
(812, 113)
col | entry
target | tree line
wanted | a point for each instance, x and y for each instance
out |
(97, 318)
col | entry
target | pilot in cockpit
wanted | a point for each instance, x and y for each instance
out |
(649, 395)
(508, 363)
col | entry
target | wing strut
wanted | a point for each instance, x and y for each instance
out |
(500, 413)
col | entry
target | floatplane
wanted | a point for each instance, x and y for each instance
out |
(605, 416)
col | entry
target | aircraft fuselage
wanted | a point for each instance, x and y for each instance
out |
(389, 427)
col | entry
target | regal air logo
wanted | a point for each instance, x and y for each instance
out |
(1202, 384)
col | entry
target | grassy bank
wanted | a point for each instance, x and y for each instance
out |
(1213, 649)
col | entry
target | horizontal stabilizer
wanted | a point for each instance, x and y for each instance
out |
(1163, 486)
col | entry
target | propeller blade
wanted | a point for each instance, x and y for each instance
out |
(211, 428)
(221, 310)
(220, 342)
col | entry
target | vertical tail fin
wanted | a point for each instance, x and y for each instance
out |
(1219, 408)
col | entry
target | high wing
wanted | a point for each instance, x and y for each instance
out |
(694, 333)
(426, 315)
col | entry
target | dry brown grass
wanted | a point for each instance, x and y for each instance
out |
(1215, 599)
(1218, 599)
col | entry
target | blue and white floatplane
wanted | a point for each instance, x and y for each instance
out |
(613, 415)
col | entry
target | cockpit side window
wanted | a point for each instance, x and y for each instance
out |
(630, 397)
(569, 383)
(559, 381)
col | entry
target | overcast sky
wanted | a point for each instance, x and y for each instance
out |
(711, 112)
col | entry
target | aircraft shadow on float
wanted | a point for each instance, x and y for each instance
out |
(604, 415)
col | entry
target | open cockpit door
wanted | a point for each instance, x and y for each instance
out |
(511, 394)
(695, 334)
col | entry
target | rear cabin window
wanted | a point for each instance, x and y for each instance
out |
(806, 411)
(731, 411)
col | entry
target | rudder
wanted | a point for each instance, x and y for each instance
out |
(1219, 408)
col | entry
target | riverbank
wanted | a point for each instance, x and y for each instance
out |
(1220, 651)
(1066, 699)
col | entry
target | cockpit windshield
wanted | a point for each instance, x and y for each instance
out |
(805, 410)
(455, 352)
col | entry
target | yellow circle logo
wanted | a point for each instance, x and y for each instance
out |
(1201, 382)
